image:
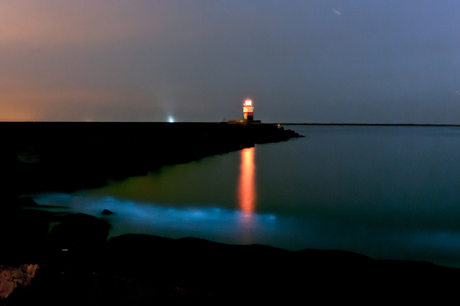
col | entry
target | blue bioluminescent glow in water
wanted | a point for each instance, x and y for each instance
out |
(132, 217)
(386, 192)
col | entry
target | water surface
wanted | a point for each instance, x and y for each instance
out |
(389, 192)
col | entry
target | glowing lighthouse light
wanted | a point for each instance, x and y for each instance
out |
(248, 110)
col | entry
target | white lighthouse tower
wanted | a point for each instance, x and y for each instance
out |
(248, 110)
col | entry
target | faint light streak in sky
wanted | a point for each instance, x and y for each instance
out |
(337, 12)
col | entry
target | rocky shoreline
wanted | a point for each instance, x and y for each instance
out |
(75, 264)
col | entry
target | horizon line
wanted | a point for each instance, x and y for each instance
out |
(282, 123)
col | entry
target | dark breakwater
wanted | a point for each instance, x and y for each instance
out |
(67, 156)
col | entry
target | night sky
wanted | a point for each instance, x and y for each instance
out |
(344, 61)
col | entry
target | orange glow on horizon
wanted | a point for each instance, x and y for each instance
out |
(16, 114)
(246, 187)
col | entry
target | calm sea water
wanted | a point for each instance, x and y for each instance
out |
(386, 192)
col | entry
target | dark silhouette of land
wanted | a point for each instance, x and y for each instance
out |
(66, 156)
(374, 124)
(74, 264)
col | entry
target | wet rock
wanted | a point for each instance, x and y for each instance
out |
(78, 231)
(107, 212)
(12, 278)
(22, 232)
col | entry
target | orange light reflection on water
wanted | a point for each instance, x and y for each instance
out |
(246, 187)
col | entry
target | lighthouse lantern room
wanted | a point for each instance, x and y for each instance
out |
(248, 110)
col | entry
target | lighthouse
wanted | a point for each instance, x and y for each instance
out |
(248, 110)
(248, 114)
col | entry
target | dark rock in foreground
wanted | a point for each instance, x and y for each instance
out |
(142, 269)
(22, 231)
(78, 231)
